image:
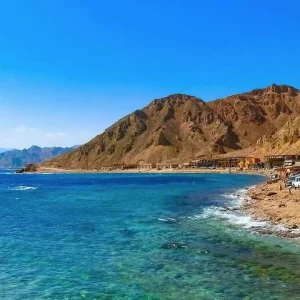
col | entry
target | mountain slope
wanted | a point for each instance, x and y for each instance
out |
(181, 127)
(167, 129)
(285, 141)
(34, 154)
(260, 112)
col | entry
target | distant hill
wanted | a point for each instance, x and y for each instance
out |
(34, 154)
(5, 149)
(180, 127)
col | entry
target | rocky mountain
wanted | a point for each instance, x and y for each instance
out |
(34, 154)
(181, 127)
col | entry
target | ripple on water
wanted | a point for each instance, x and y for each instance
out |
(22, 188)
(131, 237)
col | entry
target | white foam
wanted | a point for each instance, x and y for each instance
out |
(167, 219)
(233, 215)
(46, 173)
(237, 197)
(231, 196)
(23, 188)
(240, 220)
(42, 173)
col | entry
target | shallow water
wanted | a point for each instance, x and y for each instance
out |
(136, 236)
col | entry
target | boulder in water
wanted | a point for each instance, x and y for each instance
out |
(28, 168)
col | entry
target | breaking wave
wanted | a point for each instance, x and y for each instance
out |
(22, 188)
(167, 220)
(233, 215)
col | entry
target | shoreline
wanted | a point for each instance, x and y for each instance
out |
(263, 203)
(277, 208)
(43, 170)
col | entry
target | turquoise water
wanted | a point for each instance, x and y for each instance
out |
(135, 236)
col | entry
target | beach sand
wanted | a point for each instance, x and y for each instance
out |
(267, 202)
(168, 171)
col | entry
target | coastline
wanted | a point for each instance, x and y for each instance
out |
(263, 203)
(156, 171)
(267, 203)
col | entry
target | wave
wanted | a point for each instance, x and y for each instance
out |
(233, 215)
(22, 188)
(231, 196)
(239, 195)
(167, 220)
(32, 173)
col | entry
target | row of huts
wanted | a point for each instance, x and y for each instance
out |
(242, 162)
(203, 162)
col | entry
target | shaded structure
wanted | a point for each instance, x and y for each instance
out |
(281, 160)
(288, 170)
(166, 165)
(227, 162)
(146, 166)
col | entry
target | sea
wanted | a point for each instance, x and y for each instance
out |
(138, 236)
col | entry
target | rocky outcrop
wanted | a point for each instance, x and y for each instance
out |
(30, 168)
(181, 127)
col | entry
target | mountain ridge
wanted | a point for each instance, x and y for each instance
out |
(18, 158)
(181, 127)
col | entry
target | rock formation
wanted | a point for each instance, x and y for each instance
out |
(28, 168)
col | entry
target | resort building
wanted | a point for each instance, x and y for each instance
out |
(230, 162)
(248, 162)
(129, 166)
(227, 162)
(294, 169)
(146, 166)
(279, 161)
(185, 165)
(204, 163)
(166, 166)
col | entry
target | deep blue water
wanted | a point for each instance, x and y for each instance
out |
(135, 236)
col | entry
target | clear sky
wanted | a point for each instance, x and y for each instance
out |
(69, 69)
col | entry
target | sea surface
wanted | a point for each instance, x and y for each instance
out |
(137, 236)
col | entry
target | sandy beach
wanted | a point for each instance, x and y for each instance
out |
(146, 171)
(268, 202)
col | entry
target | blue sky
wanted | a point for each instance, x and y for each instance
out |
(69, 69)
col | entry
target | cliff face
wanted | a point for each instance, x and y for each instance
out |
(181, 127)
(285, 141)
(260, 112)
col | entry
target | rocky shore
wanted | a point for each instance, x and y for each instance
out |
(272, 202)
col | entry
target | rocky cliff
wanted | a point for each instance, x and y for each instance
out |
(181, 127)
